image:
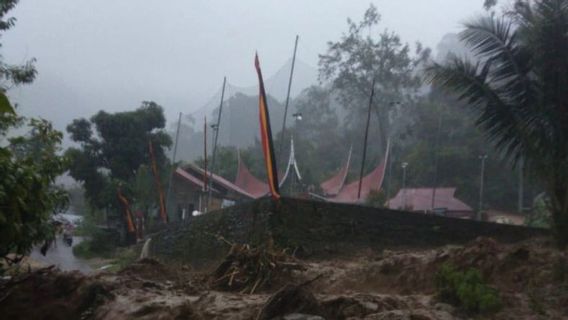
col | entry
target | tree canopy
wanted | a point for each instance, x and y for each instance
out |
(113, 147)
(29, 165)
(517, 87)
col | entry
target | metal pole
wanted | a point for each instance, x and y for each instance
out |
(404, 165)
(205, 183)
(366, 137)
(173, 164)
(483, 157)
(436, 146)
(390, 161)
(217, 127)
(521, 187)
(287, 100)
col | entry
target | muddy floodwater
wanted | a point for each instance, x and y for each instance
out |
(61, 255)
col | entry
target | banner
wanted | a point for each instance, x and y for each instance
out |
(266, 136)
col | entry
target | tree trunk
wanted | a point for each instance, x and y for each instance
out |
(560, 228)
(559, 208)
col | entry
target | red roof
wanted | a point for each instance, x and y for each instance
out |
(372, 181)
(216, 179)
(246, 181)
(420, 199)
(333, 185)
(184, 174)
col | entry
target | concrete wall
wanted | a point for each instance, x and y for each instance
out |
(318, 229)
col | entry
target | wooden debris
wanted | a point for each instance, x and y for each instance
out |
(247, 269)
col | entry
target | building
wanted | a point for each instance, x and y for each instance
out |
(189, 192)
(438, 200)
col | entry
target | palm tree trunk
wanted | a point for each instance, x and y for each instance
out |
(559, 209)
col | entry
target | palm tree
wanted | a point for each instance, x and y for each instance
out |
(518, 87)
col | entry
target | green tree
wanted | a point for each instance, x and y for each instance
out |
(517, 86)
(28, 165)
(112, 150)
(442, 146)
(361, 55)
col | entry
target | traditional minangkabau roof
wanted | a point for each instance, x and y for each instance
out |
(420, 199)
(246, 181)
(371, 182)
(195, 174)
(333, 185)
(291, 164)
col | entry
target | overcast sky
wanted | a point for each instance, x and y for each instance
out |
(113, 54)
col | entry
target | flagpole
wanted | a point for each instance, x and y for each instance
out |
(217, 127)
(287, 100)
(173, 164)
(366, 137)
(163, 213)
(204, 160)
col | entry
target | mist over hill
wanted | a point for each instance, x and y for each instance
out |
(239, 120)
(276, 86)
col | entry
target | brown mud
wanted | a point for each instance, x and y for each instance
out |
(531, 276)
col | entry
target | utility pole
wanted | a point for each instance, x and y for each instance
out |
(173, 165)
(390, 161)
(216, 130)
(521, 187)
(436, 147)
(205, 183)
(366, 138)
(280, 155)
(482, 178)
(404, 165)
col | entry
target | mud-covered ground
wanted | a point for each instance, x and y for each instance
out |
(532, 279)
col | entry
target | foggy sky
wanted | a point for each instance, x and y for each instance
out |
(113, 54)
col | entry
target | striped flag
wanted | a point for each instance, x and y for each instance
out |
(266, 135)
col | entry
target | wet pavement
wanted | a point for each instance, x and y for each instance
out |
(61, 255)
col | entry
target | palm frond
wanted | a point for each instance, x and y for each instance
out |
(494, 39)
(499, 119)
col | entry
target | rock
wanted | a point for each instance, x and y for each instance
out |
(444, 307)
(370, 306)
(301, 316)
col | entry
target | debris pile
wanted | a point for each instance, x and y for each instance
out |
(247, 270)
(267, 283)
(48, 293)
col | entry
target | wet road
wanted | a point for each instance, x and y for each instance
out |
(62, 256)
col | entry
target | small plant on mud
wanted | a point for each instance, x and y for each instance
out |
(467, 290)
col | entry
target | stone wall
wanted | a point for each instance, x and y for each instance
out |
(315, 228)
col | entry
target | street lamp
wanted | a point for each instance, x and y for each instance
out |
(481, 182)
(404, 165)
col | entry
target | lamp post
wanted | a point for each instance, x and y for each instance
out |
(215, 128)
(481, 182)
(404, 165)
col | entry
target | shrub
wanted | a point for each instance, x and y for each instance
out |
(101, 243)
(466, 290)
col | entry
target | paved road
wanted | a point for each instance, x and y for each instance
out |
(62, 256)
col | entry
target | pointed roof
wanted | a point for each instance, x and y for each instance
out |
(420, 199)
(246, 181)
(194, 174)
(333, 185)
(291, 163)
(371, 182)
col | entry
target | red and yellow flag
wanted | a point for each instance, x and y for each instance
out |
(266, 135)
